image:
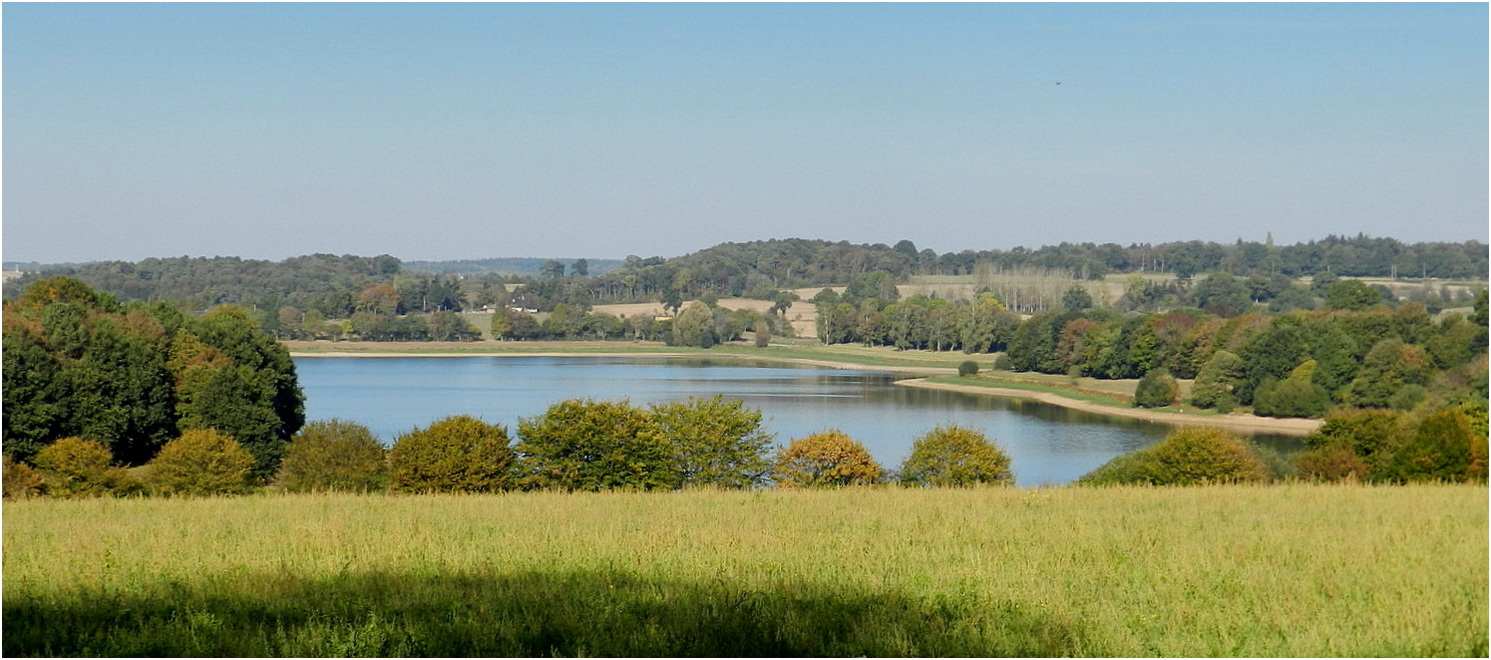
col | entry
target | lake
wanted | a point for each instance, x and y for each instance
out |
(1048, 445)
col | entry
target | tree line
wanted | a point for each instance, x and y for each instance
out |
(78, 363)
(333, 286)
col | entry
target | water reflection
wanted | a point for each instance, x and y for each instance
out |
(1047, 444)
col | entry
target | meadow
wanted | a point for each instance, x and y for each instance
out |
(1291, 570)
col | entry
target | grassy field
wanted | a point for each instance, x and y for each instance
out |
(1225, 571)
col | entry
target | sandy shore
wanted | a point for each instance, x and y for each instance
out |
(1252, 423)
(1283, 426)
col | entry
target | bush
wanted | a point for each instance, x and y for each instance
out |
(460, 454)
(715, 442)
(825, 460)
(74, 467)
(333, 455)
(967, 368)
(1291, 398)
(1186, 457)
(1443, 448)
(956, 456)
(1002, 362)
(1156, 389)
(19, 480)
(1372, 436)
(1334, 463)
(595, 445)
(201, 462)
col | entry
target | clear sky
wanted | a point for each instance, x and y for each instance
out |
(475, 130)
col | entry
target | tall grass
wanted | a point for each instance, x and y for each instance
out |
(1224, 571)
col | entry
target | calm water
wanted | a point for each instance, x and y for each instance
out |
(1047, 444)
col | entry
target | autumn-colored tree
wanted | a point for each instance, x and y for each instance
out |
(200, 462)
(19, 480)
(333, 455)
(825, 460)
(74, 467)
(455, 454)
(956, 456)
(378, 299)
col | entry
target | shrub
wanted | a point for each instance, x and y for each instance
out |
(1002, 362)
(1333, 463)
(1442, 449)
(74, 467)
(956, 456)
(967, 368)
(715, 442)
(824, 460)
(333, 455)
(1190, 456)
(201, 462)
(1373, 436)
(1156, 389)
(19, 480)
(460, 454)
(580, 444)
(1291, 397)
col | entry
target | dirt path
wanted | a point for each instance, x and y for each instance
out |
(1300, 427)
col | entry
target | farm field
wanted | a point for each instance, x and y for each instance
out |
(1293, 570)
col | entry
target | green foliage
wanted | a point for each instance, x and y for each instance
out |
(1371, 436)
(957, 457)
(1216, 381)
(333, 455)
(1076, 299)
(826, 460)
(967, 368)
(201, 462)
(1444, 447)
(459, 454)
(19, 480)
(1351, 294)
(1295, 396)
(581, 444)
(715, 442)
(74, 467)
(694, 326)
(1191, 456)
(1156, 389)
(1390, 365)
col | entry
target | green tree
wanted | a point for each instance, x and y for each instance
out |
(1442, 448)
(200, 462)
(694, 326)
(36, 407)
(459, 454)
(1156, 389)
(715, 442)
(957, 457)
(581, 444)
(1076, 299)
(1371, 436)
(967, 368)
(333, 455)
(74, 467)
(1218, 378)
(826, 460)
(1351, 294)
(1190, 456)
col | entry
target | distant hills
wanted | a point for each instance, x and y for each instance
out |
(528, 266)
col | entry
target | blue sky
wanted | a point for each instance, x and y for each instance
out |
(475, 130)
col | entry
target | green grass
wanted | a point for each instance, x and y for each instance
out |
(1224, 571)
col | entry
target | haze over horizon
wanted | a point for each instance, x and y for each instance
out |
(466, 131)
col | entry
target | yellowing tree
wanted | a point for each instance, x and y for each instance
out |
(201, 462)
(956, 456)
(826, 460)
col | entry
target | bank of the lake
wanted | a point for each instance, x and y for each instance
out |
(911, 363)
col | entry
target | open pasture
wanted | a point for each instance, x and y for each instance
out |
(1291, 570)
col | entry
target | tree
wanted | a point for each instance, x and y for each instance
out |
(967, 368)
(581, 268)
(1076, 299)
(459, 454)
(333, 455)
(955, 456)
(1444, 447)
(1371, 436)
(19, 480)
(715, 442)
(1218, 377)
(74, 467)
(201, 462)
(762, 334)
(826, 460)
(1190, 456)
(694, 326)
(1351, 294)
(1156, 389)
(581, 444)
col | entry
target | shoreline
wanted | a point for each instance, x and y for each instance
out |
(1282, 426)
